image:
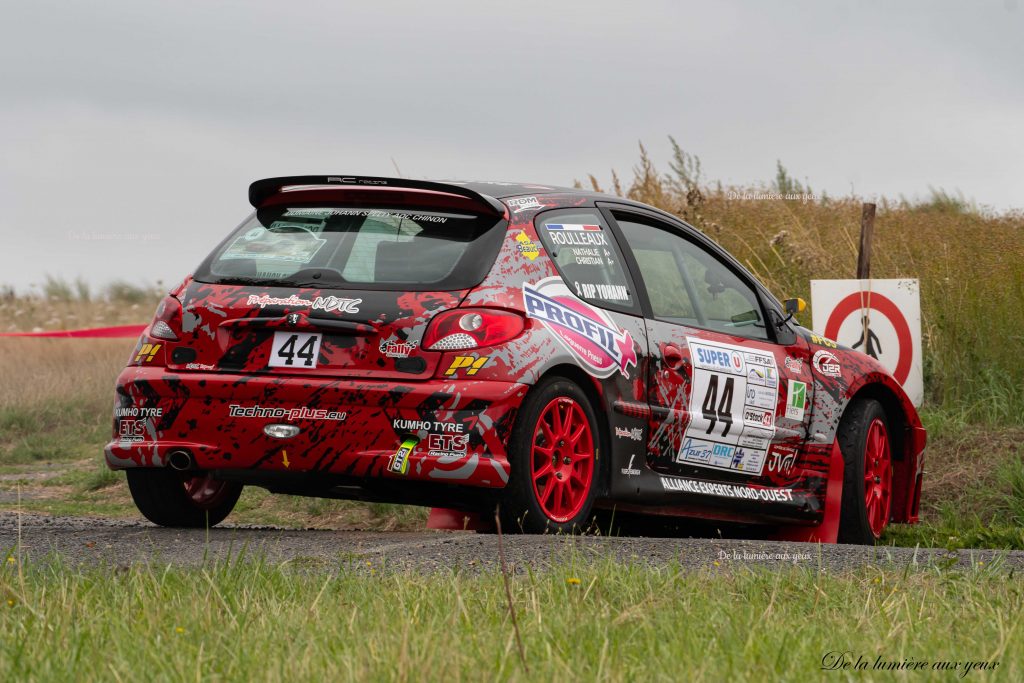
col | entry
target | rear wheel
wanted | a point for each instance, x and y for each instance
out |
(554, 452)
(867, 477)
(182, 499)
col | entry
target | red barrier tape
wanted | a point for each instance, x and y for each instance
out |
(94, 333)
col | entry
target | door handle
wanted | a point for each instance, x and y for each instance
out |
(673, 357)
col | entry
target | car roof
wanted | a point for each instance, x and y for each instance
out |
(501, 190)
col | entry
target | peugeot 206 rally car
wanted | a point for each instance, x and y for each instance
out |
(541, 351)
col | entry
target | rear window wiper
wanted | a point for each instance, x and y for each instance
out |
(268, 282)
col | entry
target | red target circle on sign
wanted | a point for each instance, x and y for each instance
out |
(885, 306)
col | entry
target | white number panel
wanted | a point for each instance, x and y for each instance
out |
(734, 395)
(295, 350)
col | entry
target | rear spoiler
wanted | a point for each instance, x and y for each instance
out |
(261, 190)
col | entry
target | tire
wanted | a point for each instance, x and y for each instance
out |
(554, 478)
(182, 499)
(867, 476)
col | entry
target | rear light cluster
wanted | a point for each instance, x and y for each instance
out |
(167, 321)
(471, 328)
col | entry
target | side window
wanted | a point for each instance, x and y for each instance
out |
(587, 257)
(688, 285)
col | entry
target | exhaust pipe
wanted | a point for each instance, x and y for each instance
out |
(179, 460)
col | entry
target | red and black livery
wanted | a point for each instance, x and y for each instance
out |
(467, 346)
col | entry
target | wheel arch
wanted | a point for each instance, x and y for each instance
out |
(592, 389)
(908, 438)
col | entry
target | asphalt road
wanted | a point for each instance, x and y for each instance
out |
(117, 543)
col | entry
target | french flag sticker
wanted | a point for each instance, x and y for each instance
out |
(574, 226)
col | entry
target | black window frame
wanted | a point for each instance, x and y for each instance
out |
(769, 313)
(637, 307)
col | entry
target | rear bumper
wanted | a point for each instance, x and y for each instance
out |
(351, 428)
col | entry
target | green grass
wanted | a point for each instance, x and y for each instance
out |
(61, 430)
(247, 620)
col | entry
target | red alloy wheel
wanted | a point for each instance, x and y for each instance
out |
(562, 459)
(877, 476)
(205, 491)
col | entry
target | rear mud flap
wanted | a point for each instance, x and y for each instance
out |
(828, 530)
(458, 520)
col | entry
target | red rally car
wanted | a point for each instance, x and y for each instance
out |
(541, 351)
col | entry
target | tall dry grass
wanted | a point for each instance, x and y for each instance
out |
(36, 373)
(58, 304)
(970, 264)
(56, 397)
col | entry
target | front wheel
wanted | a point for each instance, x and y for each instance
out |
(867, 477)
(182, 499)
(554, 452)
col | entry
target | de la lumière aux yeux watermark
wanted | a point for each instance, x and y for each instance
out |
(835, 660)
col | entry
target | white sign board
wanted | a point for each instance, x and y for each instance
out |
(881, 318)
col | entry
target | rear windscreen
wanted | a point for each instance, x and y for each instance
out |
(358, 247)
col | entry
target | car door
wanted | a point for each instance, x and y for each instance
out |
(728, 400)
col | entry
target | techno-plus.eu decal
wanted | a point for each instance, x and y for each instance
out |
(588, 333)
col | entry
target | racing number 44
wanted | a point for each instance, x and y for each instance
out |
(723, 413)
(294, 349)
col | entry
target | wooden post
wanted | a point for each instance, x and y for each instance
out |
(867, 226)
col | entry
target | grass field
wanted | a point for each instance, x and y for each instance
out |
(247, 620)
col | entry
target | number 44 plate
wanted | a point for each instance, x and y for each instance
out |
(295, 350)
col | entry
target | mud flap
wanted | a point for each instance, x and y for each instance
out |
(458, 520)
(828, 530)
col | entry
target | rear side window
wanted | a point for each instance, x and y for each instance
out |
(587, 257)
(374, 248)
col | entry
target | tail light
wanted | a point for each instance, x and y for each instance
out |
(471, 328)
(167, 321)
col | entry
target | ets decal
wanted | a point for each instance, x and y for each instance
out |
(452, 446)
(131, 431)
(732, 408)
(590, 334)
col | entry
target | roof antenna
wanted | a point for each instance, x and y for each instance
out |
(397, 170)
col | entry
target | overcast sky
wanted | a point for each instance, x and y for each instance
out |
(129, 130)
